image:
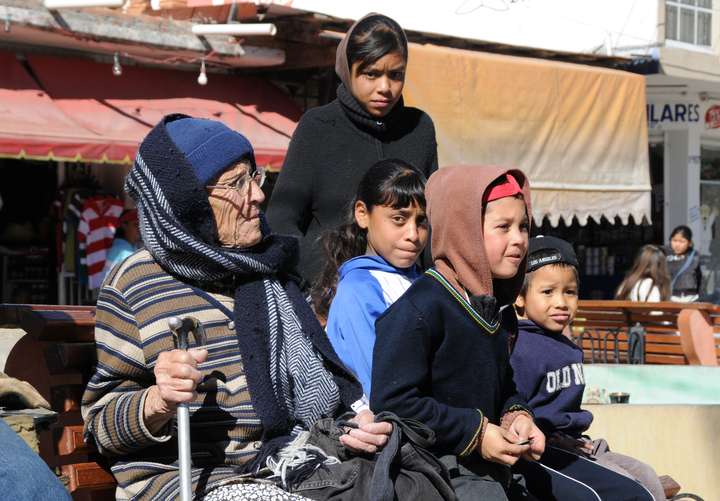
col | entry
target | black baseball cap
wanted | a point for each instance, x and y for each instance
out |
(549, 250)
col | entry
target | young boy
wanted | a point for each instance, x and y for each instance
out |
(442, 349)
(548, 371)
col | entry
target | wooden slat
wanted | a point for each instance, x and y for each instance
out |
(69, 440)
(88, 476)
(12, 314)
(657, 338)
(598, 324)
(69, 358)
(601, 315)
(651, 358)
(612, 305)
(52, 325)
(669, 485)
(66, 397)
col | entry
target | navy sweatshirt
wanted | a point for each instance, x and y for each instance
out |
(436, 360)
(548, 371)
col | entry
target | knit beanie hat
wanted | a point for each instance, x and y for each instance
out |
(210, 147)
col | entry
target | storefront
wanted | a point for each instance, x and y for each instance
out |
(70, 124)
(578, 132)
(684, 138)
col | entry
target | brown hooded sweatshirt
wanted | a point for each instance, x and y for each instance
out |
(454, 209)
(443, 348)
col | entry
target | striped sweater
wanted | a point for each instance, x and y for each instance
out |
(131, 331)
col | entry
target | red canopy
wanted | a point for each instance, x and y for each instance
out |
(80, 111)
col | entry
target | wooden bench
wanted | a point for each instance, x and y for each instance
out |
(56, 357)
(649, 333)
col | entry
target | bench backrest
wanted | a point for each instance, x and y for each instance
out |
(652, 333)
(56, 357)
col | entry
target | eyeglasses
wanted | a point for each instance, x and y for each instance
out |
(242, 186)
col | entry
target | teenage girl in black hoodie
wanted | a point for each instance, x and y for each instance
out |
(334, 145)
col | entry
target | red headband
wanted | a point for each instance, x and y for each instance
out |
(503, 190)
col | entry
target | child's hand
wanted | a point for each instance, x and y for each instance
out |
(525, 428)
(498, 446)
(569, 444)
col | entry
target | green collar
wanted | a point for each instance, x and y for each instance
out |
(490, 327)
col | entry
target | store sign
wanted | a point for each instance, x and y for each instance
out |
(712, 117)
(659, 113)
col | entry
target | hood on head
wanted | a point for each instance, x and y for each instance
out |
(342, 66)
(454, 209)
(166, 181)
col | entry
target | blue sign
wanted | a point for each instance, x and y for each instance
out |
(673, 112)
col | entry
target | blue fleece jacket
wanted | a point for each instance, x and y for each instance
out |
(367, 286)
(548, 371)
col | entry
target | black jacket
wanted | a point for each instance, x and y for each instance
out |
(690, 281)
(331, 149)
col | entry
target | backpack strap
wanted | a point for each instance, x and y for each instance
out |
(688, 262)
(381, 486)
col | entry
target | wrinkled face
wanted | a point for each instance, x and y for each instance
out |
(379, 86)
(505, 230)
(396, 235)
(551, 299)
(680, 244)
(237, 221)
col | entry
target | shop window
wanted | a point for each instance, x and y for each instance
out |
(689, 21)
(605, 251)
(710, 164)
(27, 253)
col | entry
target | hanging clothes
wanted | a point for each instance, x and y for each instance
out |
(98, 222)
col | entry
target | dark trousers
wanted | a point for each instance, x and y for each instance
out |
(564, 476)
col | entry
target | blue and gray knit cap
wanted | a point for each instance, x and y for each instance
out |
(210, 147)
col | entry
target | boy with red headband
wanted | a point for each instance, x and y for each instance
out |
(443, 348)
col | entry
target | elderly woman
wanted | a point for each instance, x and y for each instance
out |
(267, 371)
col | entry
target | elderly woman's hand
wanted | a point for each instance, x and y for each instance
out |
(369, 436)
(176, 377)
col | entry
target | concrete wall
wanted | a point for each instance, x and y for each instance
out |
(672, 421)
(682, 441)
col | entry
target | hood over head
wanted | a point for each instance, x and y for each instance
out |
(454, 208)
(342, 65)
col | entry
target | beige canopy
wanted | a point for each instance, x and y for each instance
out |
(578, 132)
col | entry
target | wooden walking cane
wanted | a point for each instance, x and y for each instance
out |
(180, 330)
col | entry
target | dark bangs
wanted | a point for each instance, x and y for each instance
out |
(405, 190)
(373, 39)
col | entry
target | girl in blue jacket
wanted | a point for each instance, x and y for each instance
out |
(372, 260)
